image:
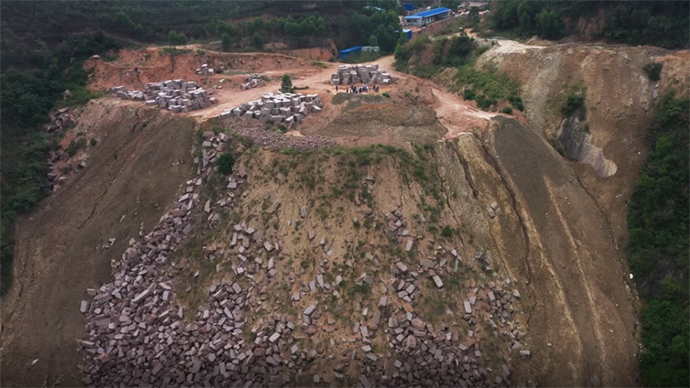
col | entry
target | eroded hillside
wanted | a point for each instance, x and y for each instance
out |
(372, 265)
(618, 99)
(131, 176)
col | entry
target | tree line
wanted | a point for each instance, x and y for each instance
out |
(659, 23)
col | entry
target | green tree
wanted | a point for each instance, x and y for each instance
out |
(286, 84)
(225, 42)
(550, 24)
(176, 39)
(225, 163)
(258, 41)
(373, 41)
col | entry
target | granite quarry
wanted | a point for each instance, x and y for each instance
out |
(175, 95)
(361, 74)
(287, 108)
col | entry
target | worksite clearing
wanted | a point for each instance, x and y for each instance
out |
(398, 238)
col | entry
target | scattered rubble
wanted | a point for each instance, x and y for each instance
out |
(289, 108)
(59, 120)
(361, 74)
(205, 71)
(175, 95)
(253, 81)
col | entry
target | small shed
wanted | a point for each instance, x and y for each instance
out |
(408, 33)
(408, 6)
(349, 51)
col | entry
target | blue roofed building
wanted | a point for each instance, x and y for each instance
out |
(423, 18)
(349, 51)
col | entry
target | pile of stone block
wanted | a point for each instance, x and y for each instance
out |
(361, 74)
(288, 108)
(175, 95)
(253, 81)
(205, 71)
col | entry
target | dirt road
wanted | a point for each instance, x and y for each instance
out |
(457, 115)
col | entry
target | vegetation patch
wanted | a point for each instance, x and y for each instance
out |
(658, 249)
(653, 70)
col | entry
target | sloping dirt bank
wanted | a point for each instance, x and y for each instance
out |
(132, 176)
(618, 101)
(581, 315)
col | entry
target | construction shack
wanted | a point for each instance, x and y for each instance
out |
(350, 51)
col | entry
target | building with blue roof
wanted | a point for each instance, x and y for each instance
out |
(425, 17)
(349, 51)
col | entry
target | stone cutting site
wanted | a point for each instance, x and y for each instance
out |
(175, 95)
(361, 74)
(289, 108)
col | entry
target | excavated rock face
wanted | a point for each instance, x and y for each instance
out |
(578, 146)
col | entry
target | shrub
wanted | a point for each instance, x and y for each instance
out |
(93, 142)
(286, 84)
(75, 146)
(386, 94)
(258, 41)
(653, 70)
(508, 110)
(573, 103)
(447, 232)
(226, 43)
(225, 163)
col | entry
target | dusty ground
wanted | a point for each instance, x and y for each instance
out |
(129, 182)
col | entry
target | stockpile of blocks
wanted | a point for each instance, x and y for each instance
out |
(174, 95)
(253, 81)
(204, 71)
(288, 108)
(361, 74)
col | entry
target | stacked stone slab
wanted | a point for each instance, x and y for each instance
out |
(253, 81)
(205, 71)
(289, 108)
(361, 74)
(175, 95)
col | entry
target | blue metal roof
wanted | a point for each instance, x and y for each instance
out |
(432, 12)
(408, 6)
(351, 49)
(412, 17)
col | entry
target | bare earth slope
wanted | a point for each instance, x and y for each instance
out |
(581, 305)
(618, 99)
(131, 177)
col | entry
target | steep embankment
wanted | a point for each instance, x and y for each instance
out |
(131, 177)
(618, 98)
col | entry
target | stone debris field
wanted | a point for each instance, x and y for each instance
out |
(361, 74)
(288, 108)
(139, 334)
(175, 95)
